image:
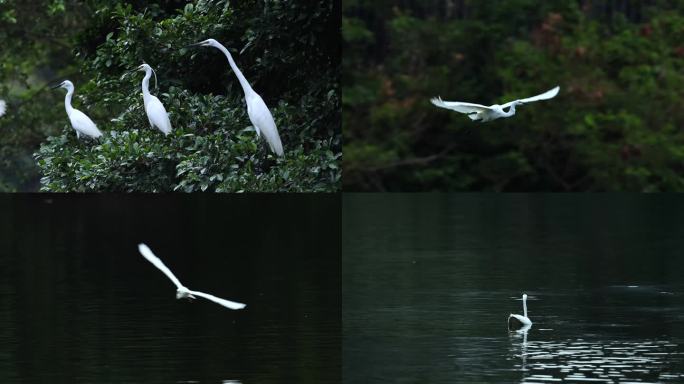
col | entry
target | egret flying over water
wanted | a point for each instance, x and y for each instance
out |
(3, 107)
(79, 121)
(516, 322)
(483, 114)
(183, 292)
(257, 110)
(156, 113)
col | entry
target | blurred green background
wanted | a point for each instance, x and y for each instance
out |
(615, 126)
(289, 52)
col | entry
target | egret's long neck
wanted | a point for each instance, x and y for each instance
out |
(67, 101)
(146, 83)
(243, 81)
(525, 306)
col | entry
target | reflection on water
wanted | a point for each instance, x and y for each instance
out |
(430, 282)
(596, 360)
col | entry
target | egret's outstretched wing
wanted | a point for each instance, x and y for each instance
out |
(157, 115)
(3, 107)
(544, 96)
(459, 106)
(218, 300)
(147, 253)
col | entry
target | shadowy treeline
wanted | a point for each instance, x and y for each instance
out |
(634, 10)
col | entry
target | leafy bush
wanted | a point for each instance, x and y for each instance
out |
(287, 51)
(35, 37)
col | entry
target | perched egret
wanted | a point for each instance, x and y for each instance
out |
(483, 114)
(257, 110)
(516, 322)
(79, 121)
(156, 113)
(183, 292)
(3, 107)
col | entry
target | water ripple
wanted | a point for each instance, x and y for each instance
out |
(580, 360)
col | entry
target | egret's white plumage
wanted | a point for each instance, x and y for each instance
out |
(156, 113)
(183, 292)
(483, 113)
(258, 112)
(517, 321)
(79, 121)
(3, 107)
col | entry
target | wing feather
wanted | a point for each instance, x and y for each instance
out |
(459, 106)
(218, 300)
(550, 94)
(263, 122)
(158, 115)
(82, 123)
(147, 253)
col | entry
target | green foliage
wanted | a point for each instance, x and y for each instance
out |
(615, 125)
(289, 53)
(35, 37)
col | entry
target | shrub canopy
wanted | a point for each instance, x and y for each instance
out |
(289, 52)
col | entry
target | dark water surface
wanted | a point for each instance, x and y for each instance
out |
(78, 304)
(429, 281)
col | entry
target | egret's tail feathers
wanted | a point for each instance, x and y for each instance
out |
(274, 143)
(165, 127)
(278, 148)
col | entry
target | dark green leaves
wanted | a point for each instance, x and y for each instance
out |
(213, 146)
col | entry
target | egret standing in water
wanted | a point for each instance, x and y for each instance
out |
(3, 107)
(516, 322)
(156, 113)
(182, 292)
(483, 114)
(79, 121)
(257, 110)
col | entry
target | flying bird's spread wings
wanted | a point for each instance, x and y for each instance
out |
(544, 96)
(218, 300)
(459, 106)
(147, 253)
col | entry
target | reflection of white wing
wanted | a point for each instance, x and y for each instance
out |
(544, 96)
(218, 300)
(147, 253)
(459, 106)
(3, 107)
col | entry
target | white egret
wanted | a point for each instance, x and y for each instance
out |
(3, 107)
(156, 113)
(257, 110)
(483, 114)
(79, 121)
(183, 292)
(516, 322)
